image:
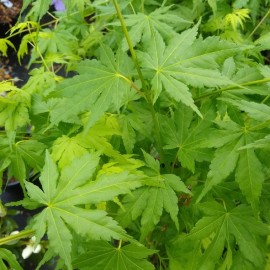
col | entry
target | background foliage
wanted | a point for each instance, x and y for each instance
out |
(153, 151)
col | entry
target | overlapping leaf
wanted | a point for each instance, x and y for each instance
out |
(97, 138)
(62, 198)
(102, 255)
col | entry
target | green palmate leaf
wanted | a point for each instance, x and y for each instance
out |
(102, 255)
(185, 62)
(149, 202)
(225, 229)
(8, 260)
(228, 158)
(101, 85)
(64, 196)
(186, 136)
(161, 20)
(158, 58)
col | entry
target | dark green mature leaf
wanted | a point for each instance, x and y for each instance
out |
(8, 257)
(101, 85)
(186, 136)
(63, 197)
(102, 255)
(226, 229)
(149, 202)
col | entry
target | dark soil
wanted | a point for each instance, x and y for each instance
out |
(8, 14)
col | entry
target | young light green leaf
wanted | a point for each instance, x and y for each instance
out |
(4, 43)
(14, 108)
(38, 8)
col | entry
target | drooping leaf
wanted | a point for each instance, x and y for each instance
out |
(4, 43)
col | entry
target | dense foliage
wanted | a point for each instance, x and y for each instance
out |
(153, 145)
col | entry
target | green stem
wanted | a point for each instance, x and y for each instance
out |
(148, 94)
(18, 236)
(232, 87)
(131, 49)
(120, 244)
(258, 25)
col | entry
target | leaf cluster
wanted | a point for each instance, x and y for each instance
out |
(152, 148)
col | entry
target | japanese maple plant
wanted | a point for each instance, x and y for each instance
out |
(147, 124)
